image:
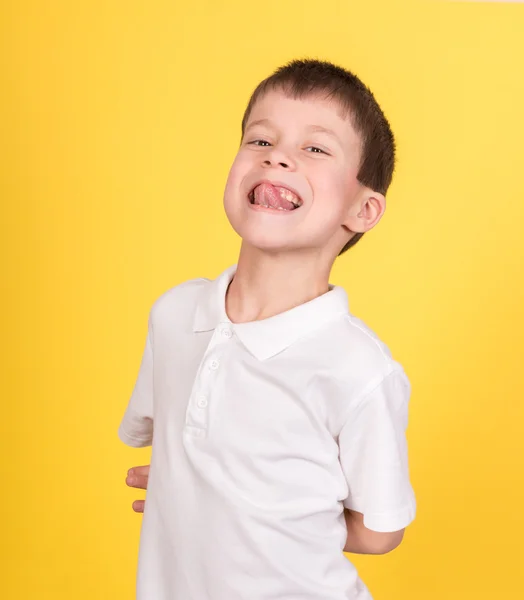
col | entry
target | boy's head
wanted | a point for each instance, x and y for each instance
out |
(316, 159)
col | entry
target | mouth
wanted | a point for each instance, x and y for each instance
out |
(273, 196)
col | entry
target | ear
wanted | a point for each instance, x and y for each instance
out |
(366, 211)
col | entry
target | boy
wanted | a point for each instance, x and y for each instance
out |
(279, 418)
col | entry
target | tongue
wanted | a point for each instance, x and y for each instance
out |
(269, 195)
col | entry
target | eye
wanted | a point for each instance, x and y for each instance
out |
(316, 150)
(259, 143)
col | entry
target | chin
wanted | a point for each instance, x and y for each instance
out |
(272, 236)
(265, 241)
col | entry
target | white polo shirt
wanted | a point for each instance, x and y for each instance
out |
(262, 432)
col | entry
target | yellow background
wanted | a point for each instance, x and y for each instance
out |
(119, 122)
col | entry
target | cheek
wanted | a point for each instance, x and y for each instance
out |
(236, 174)
(333, 194)
(233, 189)
(333, 188)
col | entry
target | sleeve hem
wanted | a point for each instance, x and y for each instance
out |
(386, 522)
(133, 441)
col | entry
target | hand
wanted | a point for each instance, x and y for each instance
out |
(137, 477)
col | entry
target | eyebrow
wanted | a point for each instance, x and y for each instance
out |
(312, 128)
(319, 129)
(259, 122)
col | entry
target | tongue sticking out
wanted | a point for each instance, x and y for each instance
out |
(275, 197)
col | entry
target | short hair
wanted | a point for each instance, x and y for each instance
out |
(302, 78)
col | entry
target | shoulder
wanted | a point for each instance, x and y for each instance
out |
(178, 299)
(359, 351)
(357, 364)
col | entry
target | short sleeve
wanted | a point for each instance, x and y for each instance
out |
(136, 428)
(373, 455)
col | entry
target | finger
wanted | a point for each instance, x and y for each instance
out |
(137, 477)
(137, 481)
(143, 470)
(138, 506)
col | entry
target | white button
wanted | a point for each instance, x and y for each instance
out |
(227, 333)
(214, 365)
(202, 402)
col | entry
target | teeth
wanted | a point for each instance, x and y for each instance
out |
(273, 207)
(289, 196)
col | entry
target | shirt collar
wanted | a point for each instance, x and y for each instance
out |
(267, 337)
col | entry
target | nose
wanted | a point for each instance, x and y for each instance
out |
(277, 157)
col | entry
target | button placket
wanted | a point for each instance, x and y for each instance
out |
(198, 407)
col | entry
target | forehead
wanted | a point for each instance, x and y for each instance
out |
(312, 111)
(316, 106)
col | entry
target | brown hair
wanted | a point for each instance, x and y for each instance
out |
(302, 78)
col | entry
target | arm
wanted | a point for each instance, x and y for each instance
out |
(361, 540)
(136, 427)
(373, 457)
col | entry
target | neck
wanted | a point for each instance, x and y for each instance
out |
(265, 284)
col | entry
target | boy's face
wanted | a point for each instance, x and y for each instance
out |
(295, 152)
